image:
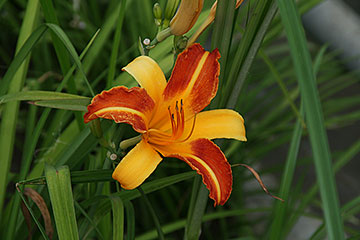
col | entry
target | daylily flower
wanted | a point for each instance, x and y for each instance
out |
(186, 16)
(167, 114)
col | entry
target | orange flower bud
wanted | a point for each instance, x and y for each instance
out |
(186, 16)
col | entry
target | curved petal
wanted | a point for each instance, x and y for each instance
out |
(148, 74)
(136, 166)
(208, 160)
(220, 123)
(194, 79)
(133, 106)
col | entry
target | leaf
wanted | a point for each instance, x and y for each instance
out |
(67, 104)
(39, 95)
(118, 218)
(315, 120)
(59, 187)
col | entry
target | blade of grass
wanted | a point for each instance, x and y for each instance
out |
(37, 96)
(40, 227)
(153, 214)
(279, 211)
(193, 228)
(130, 220)
(319, 143)
(348, 210)
(221, 37)
(282, 86)
(243, 68)
(171, 227)
(116, 44)
(118, 218)
(61, 53)
(10, 111)
(59, 187)
(67, 104)
(68, 45)
(83, 212)
(343, 160)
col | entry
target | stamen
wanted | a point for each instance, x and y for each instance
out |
(191, 132)
(172, 120)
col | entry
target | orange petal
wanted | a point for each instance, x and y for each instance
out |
(219, 123)
(209, 161)
(195, 78)
(149, 75)
(136, 166)
(123, 105)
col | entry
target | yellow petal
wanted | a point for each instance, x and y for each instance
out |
(220, 123)
(136, 166)
(149, 75)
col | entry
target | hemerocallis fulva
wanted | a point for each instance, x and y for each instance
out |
(168, 116)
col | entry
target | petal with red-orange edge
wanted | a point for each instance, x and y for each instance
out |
(195, 78)
(209, 161)
(133, 106)
(137, 165)
(149, 75)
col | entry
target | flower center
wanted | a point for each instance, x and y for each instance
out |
(177, 120)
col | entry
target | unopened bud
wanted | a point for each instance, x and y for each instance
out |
(157, 11)
(186, 16)
(170, 9)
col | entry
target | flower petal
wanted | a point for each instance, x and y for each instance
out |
(133, 106)
(149, 75)
(209, 161)
(220, 123)
(194, 79)
(136, 166)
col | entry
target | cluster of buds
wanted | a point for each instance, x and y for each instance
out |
(178, 19)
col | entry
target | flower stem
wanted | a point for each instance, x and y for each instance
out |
(153, 214)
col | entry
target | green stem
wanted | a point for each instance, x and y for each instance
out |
(153, 214)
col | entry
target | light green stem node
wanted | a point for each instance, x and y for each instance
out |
(129, 142)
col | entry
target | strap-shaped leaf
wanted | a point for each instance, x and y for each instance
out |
(59, 187)
(39, 96)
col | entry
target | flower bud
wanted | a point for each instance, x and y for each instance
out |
(157, 14)
(170, 9)
(186, 16)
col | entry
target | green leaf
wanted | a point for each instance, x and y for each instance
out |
(66, 41)
(118, 217)
(59, 186)
(67, 104)
(319, 143)
(12, 82)
(130, 220)
(39, 95)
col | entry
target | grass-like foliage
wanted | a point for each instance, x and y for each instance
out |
(55, 174)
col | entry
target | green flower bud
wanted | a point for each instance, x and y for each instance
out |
(170, 9)
(157, 11)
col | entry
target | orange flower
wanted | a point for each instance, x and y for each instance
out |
(168, 116)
